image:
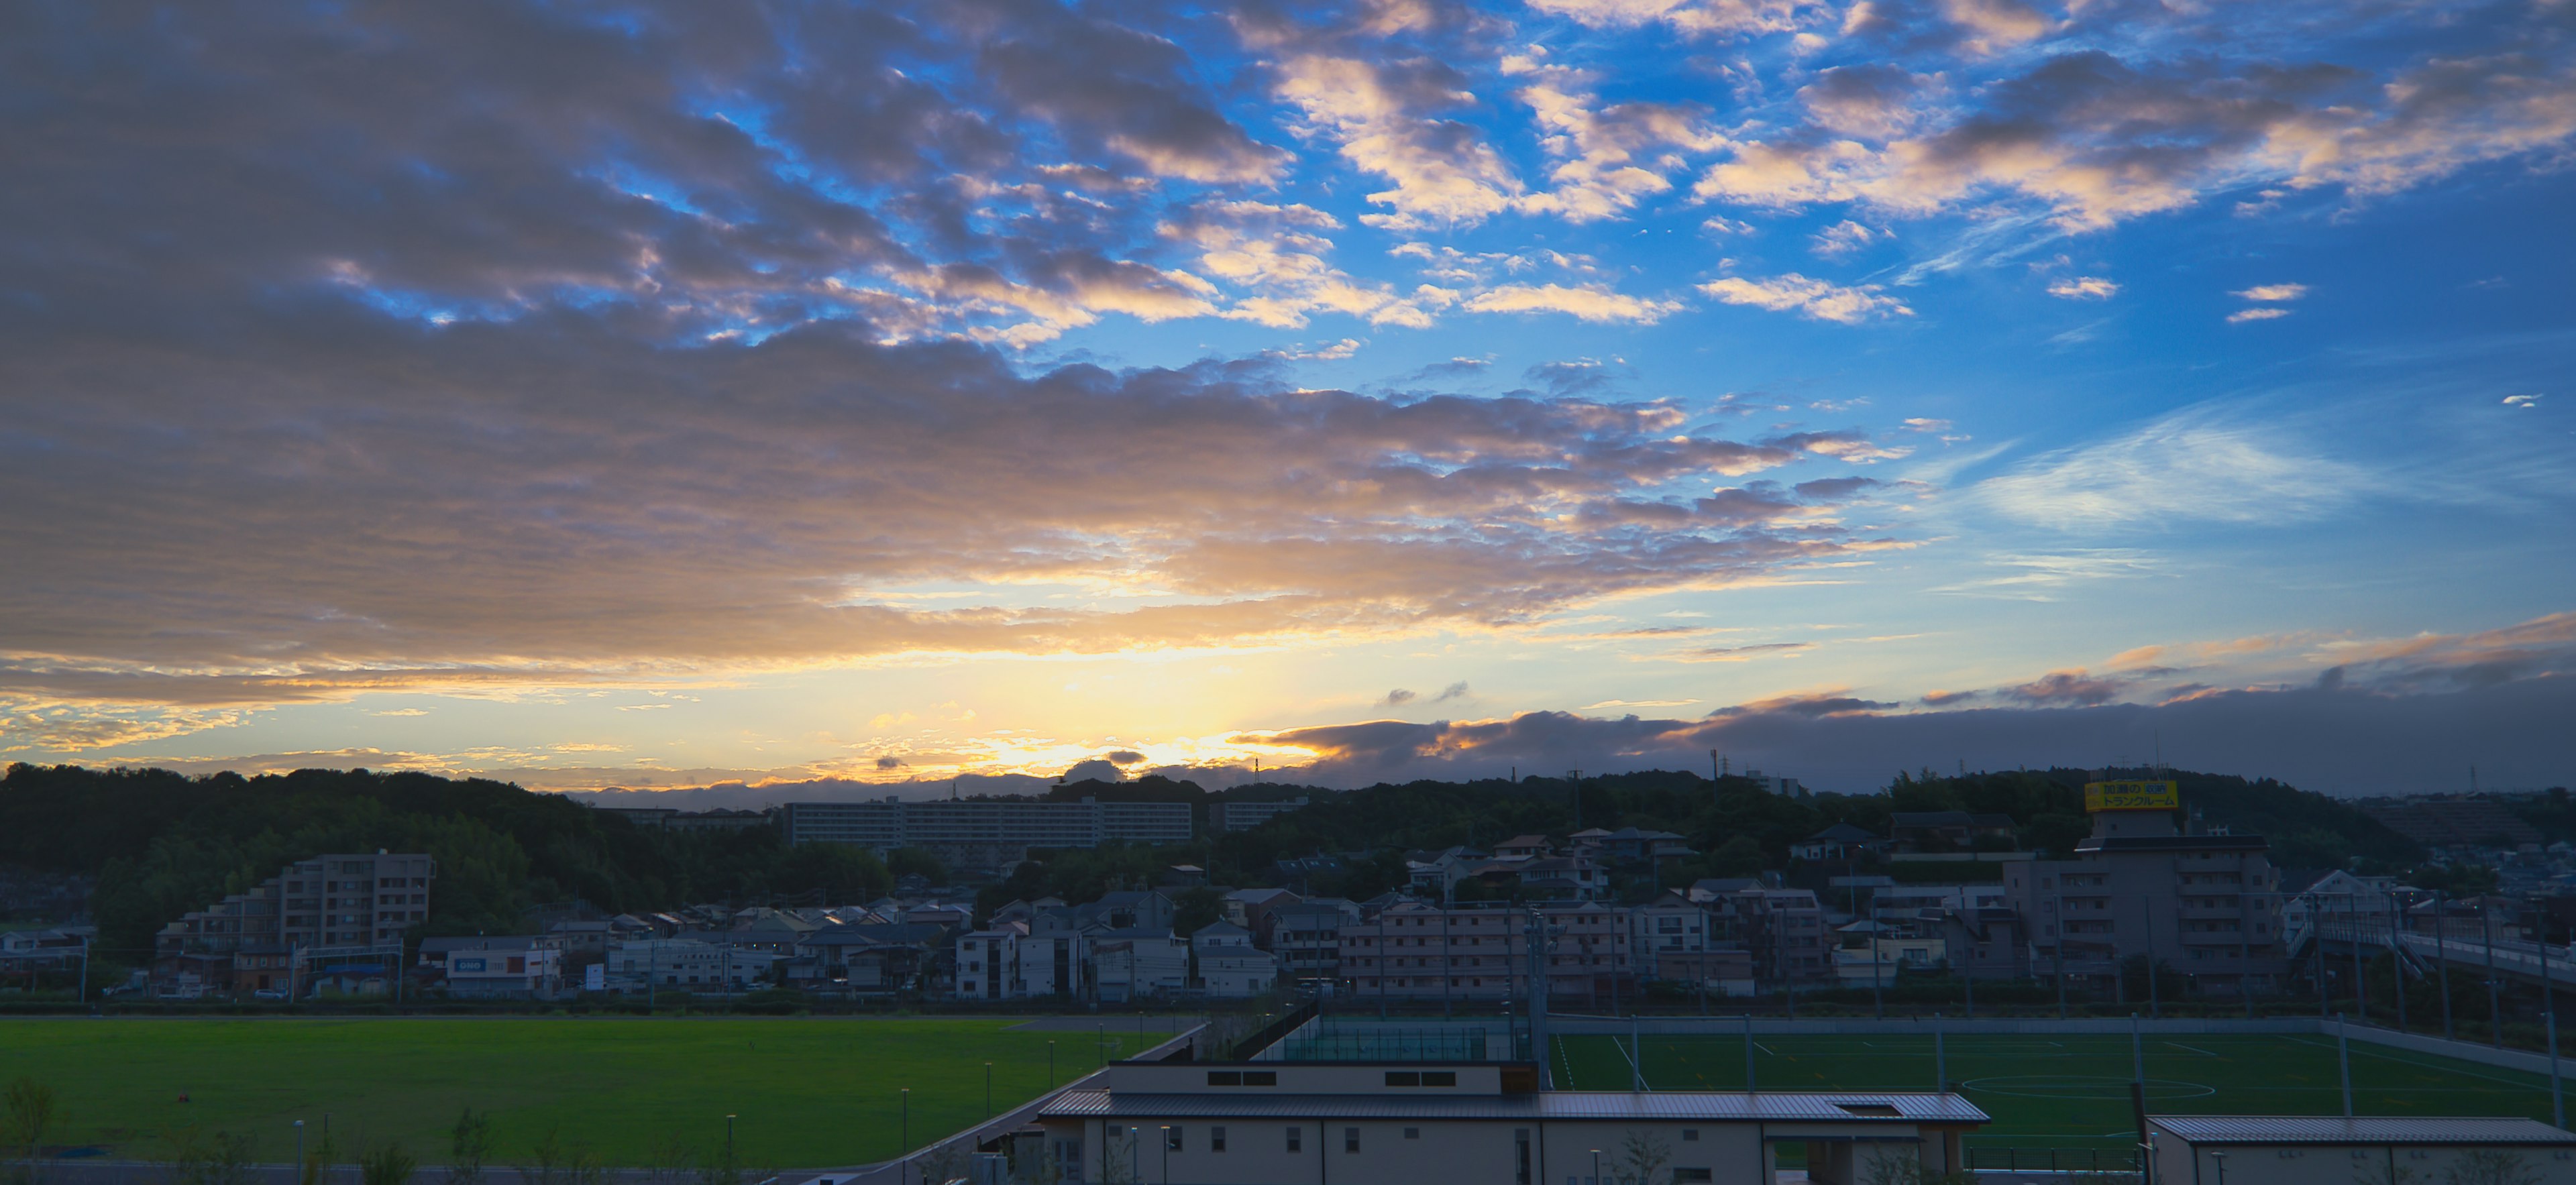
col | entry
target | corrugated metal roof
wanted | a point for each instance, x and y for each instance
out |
(2320, 1129)
(1713, 1106)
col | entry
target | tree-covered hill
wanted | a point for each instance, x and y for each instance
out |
(161, 844)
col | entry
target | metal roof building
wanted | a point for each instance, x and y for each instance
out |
(2368, 1150)
(1401, 1123)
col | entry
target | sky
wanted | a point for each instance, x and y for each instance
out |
(894, 398)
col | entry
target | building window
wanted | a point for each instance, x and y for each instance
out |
(1687, 1176)
(1216, 1139)
(1690, 1134)
(1296, 1139)
(1350, 1139)
(1171, 1139)
(1413, 1133)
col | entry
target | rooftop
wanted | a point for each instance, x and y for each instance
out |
(2315, 1129)
(1713, 1106)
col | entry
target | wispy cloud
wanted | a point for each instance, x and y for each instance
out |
(2204, 464)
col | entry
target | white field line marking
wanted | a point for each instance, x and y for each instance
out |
(2189, 1048)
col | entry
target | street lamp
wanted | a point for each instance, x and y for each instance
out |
(2221, 1158)
(299, 1150)
(1596, 1168)
(988, 1090)
(728, 1139)
(907, 1121)
(1167, 1154)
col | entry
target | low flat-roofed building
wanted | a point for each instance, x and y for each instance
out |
(2378, 1150)
(1365, 1123)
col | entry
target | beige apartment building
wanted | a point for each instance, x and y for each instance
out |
(1418, 951)
(251, 941)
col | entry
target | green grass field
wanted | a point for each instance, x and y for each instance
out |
(2073, 1091)
(809, 1092)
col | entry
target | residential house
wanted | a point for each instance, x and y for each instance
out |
(1670, 924)
(1229, 966)
(987, 960)
(1250, 909)
(1842, 841)
(1949, 831)
(1524, 847)
(1140, 964)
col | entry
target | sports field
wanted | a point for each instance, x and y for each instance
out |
(2072, 1091)
(808, 1092)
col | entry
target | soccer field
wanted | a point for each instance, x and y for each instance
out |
(808, 1092)
(2072, 1091)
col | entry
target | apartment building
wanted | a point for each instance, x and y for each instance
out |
(984, 960)
(1244, 816)
(1307, 939)
(2206, 904)
(346, 901)
(1418, 951)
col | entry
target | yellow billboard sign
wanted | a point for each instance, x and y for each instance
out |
(2132, 796)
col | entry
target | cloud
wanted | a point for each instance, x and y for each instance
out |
(2084, 288)
(1845, 237)
(2201, 464)
(1381, 113)
(2241, 316)
(1816, 299)
(1397, 698)
(2526, 401)
(1696, 17)
(2273, 292)
(2109, 132)
(889, 762)
(1457, 690)
(1590, 302)
(822, 473)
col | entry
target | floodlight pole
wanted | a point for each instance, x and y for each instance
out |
(299, 1150)
(2397, 961)
(2442, 957)
(907, 1122)
(1050, 1065)
(2495, 993)
(2057, 950)
(1940, 1055)
(988, 1090)
(2343, 1064)
(2137, 1052)
(2557, 1101)
(1748, 1053)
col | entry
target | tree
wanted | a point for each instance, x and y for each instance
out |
(28, 1116)
(386, 1164)
(1196, 909)
(2490, 1166)
(469, 1144)
(1642, 1157)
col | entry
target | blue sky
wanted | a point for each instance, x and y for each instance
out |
(615, 395)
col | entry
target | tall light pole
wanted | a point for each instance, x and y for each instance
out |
(1596, 1168)
(299, 1151)
(1050, 1065)
(1167, 1154)
(988, 1090)
(907, 1122)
